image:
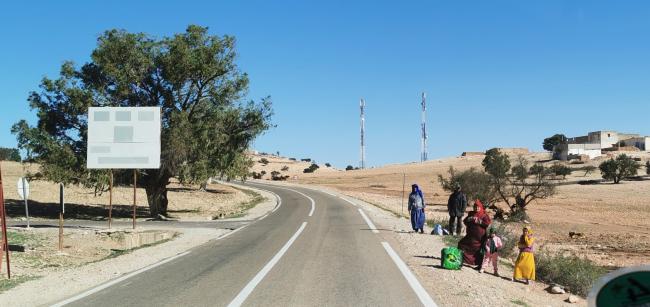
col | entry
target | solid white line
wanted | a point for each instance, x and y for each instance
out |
(422, 294)
(117, 280)
(368, 221)
(313, 203)
(259, 219)
(248, 289)
(343, 198)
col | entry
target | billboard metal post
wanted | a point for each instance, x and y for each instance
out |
(110, 199)
(135, 185)
(3, 219)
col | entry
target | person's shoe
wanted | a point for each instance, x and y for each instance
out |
(480, 271)
(497, 274)
(527, 282)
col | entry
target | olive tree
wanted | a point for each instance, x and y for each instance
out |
(618, 169)
(192, 76)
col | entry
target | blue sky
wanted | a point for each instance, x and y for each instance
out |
(496, 73)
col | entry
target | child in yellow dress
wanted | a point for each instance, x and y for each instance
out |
(525, 264)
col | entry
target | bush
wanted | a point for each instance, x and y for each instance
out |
(285, 168)
(9, 154)
(647, 167)
(264, 161)
(618, 169)
(256, 175)
(312, 168)
(474, 183)
(551, 142)
(575, 273)
(349, 168)
(537, 169)
(305, 160)
(328, 165)
(292, 159)
(559, 169)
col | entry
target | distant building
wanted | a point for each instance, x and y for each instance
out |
(595, 142)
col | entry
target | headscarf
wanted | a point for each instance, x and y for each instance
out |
(416, 189)
(522, 240)
(481, 209)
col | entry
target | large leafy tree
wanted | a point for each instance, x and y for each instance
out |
(620, 168)
(192, 76)
(550, 142)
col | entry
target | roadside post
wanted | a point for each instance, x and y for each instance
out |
(403, 187)
(23, 191)
(3, 220)
(61, 212)
(123, 138)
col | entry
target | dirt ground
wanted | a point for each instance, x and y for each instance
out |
(613, 219)
(185, 202)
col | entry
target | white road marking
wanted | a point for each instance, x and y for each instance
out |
(422, 294)
(248, 289)
(368, 221)
(117, 280)
(259, 219)
(313, 203)
(343, 198)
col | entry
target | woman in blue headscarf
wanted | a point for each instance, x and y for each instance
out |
(416, 208)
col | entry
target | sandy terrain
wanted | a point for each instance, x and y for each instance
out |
(294, 169)
(614, 219)
(185, 202)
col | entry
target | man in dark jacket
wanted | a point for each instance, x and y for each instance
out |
(456, 206)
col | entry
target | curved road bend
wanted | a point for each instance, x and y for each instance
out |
(286, 259)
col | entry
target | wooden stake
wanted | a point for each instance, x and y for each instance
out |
(3, 219)
(110, 199)
(135, 185)
(403, 187)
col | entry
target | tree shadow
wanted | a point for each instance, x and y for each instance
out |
(16, 209)
(186, 189)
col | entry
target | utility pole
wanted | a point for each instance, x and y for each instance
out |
(362, 105)
(423, 156)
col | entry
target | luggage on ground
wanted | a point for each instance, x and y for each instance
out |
(452, 258)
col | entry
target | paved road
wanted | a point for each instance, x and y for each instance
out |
(289, 258)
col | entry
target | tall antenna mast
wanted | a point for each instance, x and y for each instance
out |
(362, 105)
(423, 156)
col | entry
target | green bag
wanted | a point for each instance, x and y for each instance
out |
(452, 258)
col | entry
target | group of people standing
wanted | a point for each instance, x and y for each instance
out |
(480, 244)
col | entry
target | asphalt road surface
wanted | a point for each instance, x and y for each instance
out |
(316, 249)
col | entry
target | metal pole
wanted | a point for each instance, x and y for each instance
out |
(135, 184)
(110, 199)
(3, 218)
(424, 154)
(403, 187)
(25, 197)
(61, 216)
(362, 105)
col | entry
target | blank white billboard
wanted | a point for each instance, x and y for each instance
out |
(123, 137)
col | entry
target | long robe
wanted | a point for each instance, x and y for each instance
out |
(417, 214)
(475, 238)
(525, 264)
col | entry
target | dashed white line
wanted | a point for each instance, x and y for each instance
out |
(117, 280)
(248, 289)
(368, 221)
(422, 294)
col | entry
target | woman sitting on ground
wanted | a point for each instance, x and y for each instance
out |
(476, 224)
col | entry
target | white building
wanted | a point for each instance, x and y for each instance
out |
(593, 143)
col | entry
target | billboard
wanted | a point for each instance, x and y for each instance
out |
(123, 138)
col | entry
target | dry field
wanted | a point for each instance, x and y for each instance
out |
(185, 202)
(614, 220)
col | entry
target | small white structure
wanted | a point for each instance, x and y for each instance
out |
(123, 138)
(567, 151)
